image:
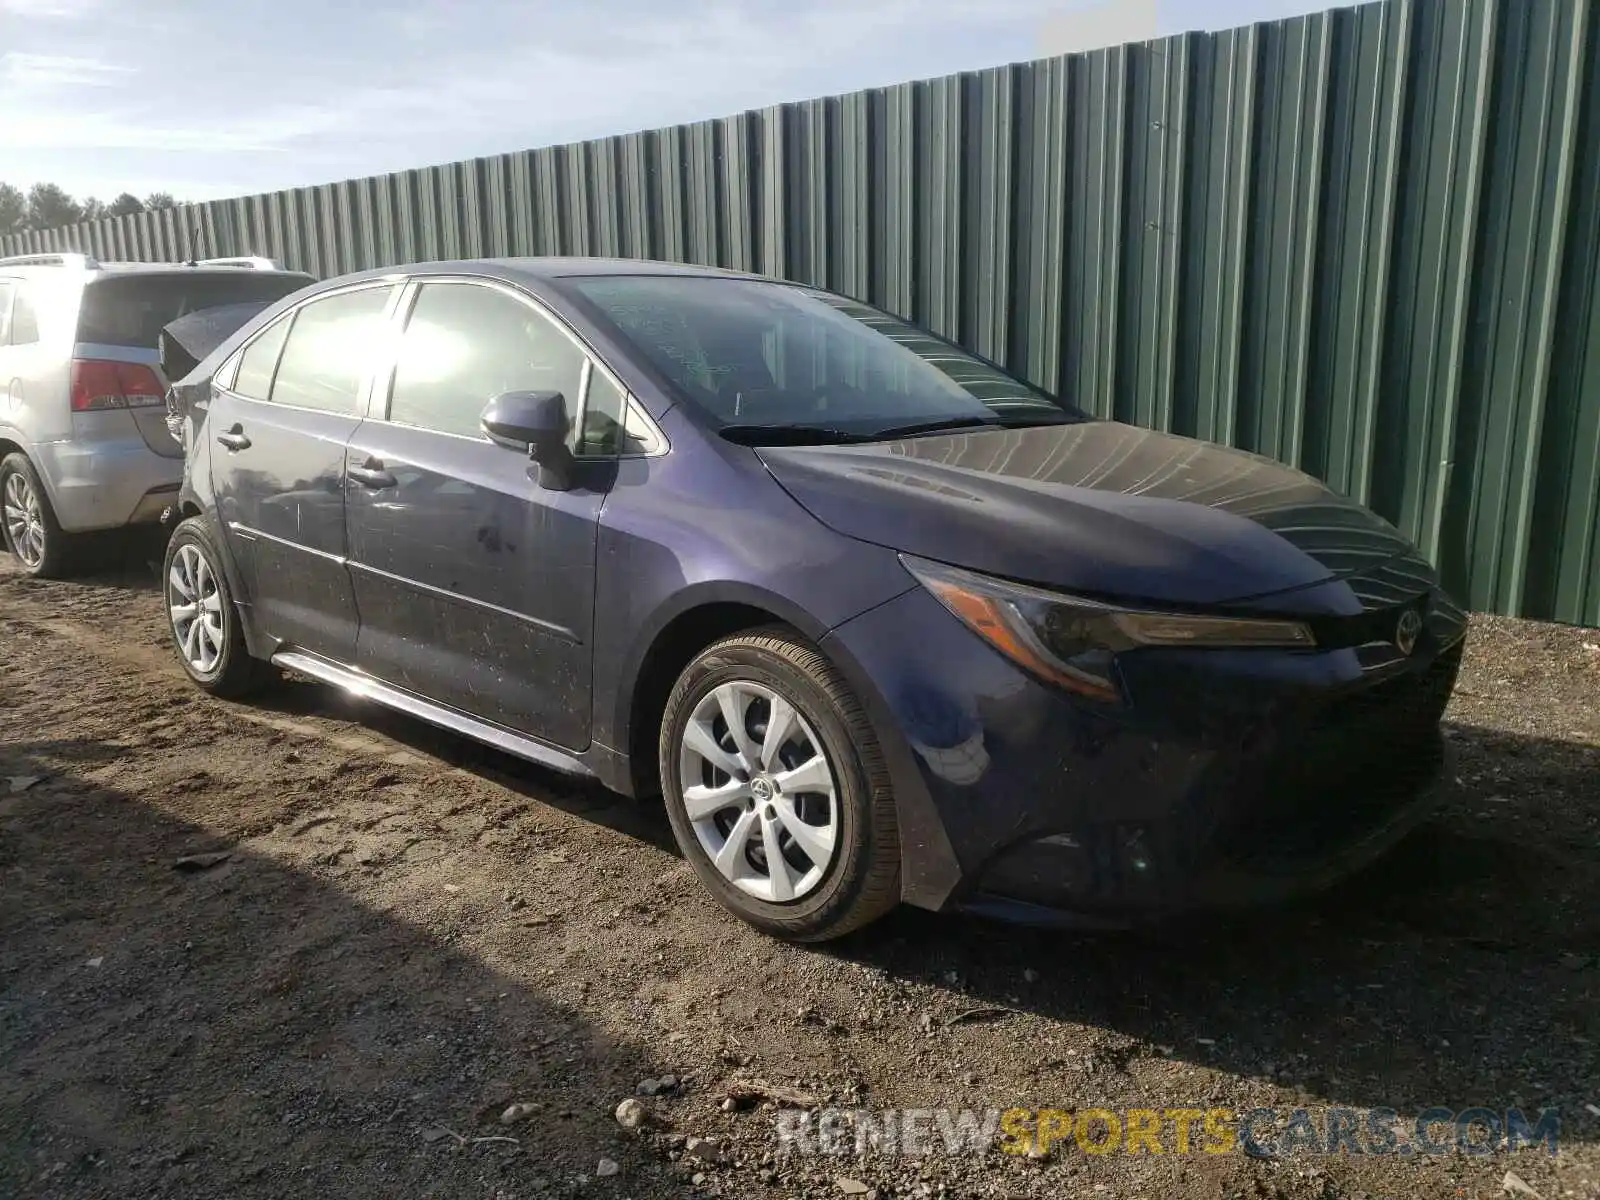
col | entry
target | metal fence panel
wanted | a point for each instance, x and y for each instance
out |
(1365, 242)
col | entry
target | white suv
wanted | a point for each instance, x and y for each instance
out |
(84, 443)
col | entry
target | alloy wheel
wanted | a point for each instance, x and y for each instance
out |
(196, 608)
(24, 521)
(759, 792)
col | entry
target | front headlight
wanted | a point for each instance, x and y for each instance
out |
(1071, 641)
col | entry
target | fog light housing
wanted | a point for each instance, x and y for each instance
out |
(1056, 871)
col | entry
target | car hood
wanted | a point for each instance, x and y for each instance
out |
(1095, 507)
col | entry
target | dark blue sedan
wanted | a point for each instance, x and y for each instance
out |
(880, 621)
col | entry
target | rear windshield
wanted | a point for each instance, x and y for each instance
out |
(131, 310)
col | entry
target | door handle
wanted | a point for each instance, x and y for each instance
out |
(234, 439)
(371, 475)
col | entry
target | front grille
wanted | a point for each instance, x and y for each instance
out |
(1341, 768)
(1403, 705)
(1379, 623)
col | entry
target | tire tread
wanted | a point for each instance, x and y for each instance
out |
(878, 890)
(60, 557)
(241, 674)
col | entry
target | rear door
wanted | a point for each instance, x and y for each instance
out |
(282, 412)
(474, 584)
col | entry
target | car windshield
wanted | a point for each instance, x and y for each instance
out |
(779, 362)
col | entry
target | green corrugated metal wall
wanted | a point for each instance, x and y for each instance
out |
(1365, 242)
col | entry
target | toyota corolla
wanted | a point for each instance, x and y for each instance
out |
(881, 622)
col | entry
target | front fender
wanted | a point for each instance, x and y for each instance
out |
(665, 549)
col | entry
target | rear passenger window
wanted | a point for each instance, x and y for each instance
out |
(258, 361)
(24, 321)
(331, 347)
(6, 289)
(464, 345)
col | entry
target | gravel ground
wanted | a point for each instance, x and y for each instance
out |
(411, 933)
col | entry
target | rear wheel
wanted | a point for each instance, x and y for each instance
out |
(32, 532)
(206, 630)
(776, 789)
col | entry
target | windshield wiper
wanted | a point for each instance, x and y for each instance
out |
(896, 431)
(827, 435)
(791, 435)
(957, 423)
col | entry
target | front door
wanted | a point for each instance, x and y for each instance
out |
(475, 586)
(281, 427)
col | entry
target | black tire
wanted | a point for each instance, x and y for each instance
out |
(862, 882)
(233, 673)
(56, 560)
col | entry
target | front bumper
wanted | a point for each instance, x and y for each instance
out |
(1232, 778)
(1038, 889)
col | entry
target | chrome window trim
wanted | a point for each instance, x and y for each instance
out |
(370, 687)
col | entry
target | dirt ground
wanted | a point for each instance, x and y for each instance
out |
(411, 933)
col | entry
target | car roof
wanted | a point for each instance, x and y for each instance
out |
(177, 268)
(112, 270)
(542, 270)
(550, 268)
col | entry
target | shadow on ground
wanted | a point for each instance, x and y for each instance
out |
(295, 697)
(1461, 970)
(248, 1030)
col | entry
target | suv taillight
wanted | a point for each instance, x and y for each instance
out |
(100, 384)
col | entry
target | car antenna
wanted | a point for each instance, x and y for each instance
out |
(197, 249)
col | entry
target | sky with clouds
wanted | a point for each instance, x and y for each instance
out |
(211, 98)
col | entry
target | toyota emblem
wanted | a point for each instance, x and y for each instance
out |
(1408, 630)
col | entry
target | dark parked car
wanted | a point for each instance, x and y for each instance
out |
(880, 621)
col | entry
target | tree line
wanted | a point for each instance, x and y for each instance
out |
(48, 206)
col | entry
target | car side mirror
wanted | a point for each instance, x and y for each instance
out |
(533, 422)
(536, 424)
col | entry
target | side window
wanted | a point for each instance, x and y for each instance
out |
(258, 361)
(24, 320)
(330, 348)
(464, 345)
(612, 424)
(601, 436)
(6, 288)
(639, 436)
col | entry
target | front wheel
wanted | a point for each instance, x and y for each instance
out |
(206, 630)
(776, 789)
